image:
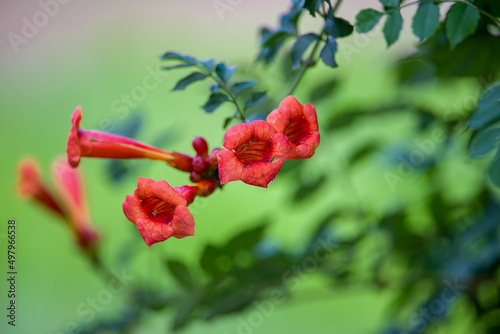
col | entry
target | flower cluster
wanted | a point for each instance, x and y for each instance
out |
(68, 202)
(253, 153)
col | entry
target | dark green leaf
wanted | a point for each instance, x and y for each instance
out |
(483, 141)
(180, 57)
(255, 99)
(392, 27)
(186, 309)
(461, 21)
(338, 27)
(271, 43)
(390, 3)
(224, 72)
(494, 170)
(323, 89)
(227, 120)
(488, 108)
(269, 38)
(208, 64)
(181, 273)
(246, 239)
(214, 88)
(300, 46)
(328, 52)
(177, 66)
(257, 116)
(312, 6)
(240, 87)
(214, 101)
(193, 77)
(208, 258)
(367, 19)
(426, 20)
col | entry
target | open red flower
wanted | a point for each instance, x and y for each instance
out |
(98, 144)
(299, 124)
(252, 153)
(160, 211)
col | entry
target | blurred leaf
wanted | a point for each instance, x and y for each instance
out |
(207, 260)
(484, 141)
(208, 64)
(308, 188)
(246, 239)
(240, 87)
(367, 19)
(255, 99)
(231, 301)
(461, 21)
(289, 20)
(214, 101)
(362, 152)
(300, 46)
(338, 27)
(392, 27)
(488, 108)
(390, 3)
(312, 6)
(193, 77)
(224, 72)
(186, 309)
(270, 38)
(322, 90)
(257, 116)
(177, 66)
(268, 52)
(426, 20)
(494, 170)
(181, 273)
(327, 54)
(177, 56)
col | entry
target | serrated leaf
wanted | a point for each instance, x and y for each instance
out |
(255, 99)
(193, 77)
(312, 6)
(300, 46)
(240, 87)
(488, 108)
(328, 52)
(461, 21)
(390, 3)
(224, 72)
(367, 19)
(338, 27)
(426, 20)
(177, 56)
(484, 141)
(494, 170)
(214, 101)
(208, 64)
(181, 273)
(392, 27)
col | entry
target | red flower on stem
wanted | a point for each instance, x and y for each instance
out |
(92, 143)
(299, 124)
(252, 153)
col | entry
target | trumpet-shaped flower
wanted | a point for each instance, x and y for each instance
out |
(92, 143)
(299, 124)
(252, 153)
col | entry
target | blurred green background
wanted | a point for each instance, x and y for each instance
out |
(90, 54)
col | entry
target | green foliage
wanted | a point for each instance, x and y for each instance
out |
(393, 26)
(337, 27)
(390, 3)
(328, 52)
(461, 21)
(488, 108)
(300, 46)
(426, 20)
(367, 19)
(193, 77)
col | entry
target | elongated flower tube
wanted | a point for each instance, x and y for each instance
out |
(30, 185)
(98, 144)
(299, 124)
(69, 186)
(160, 211)
(252, 153)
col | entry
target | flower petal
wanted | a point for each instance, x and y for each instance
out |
(230, 168)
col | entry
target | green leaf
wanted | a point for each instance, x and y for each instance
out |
(483, 141)
(300, 46)
(181, 273)
(208, 258)
(390, 3)
(208, 64)
(193, 77)
(214, 101)
(426, 20)
(255, 99)
(367, 19)
(488, 108)
(269, 38)
(312, 6)
(224, 72)
(180, 57)
(176, 66)
(494, 170)
(392, 27)
(328, 52)
(240, 87)
(461, 21)
(338, 27)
